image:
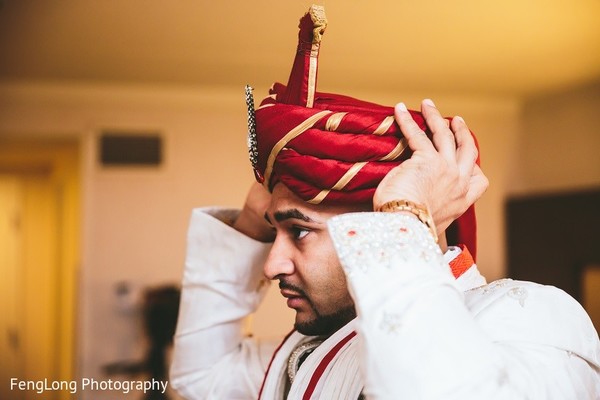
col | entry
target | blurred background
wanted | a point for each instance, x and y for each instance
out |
(119, 117)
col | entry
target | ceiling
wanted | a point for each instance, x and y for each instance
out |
(509, 47)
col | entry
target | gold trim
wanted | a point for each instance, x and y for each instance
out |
(265, 106)
(340, 184)
(334, 121)
(319, 197)
(317, 15)
(384, 126)
(351, 173)
(295, 132)
(312, 77)
(396, 152)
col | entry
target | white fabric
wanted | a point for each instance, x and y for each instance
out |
(421, 334)
(221, 285)
(340, 380)
(421, 337)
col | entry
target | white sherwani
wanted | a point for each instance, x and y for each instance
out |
(420, 333)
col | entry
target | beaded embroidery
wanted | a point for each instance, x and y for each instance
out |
(518, 293)
(399, 238)
(495, 285)
(297, 355)
(390, 323)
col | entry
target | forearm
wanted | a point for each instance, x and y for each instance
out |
(222, 284)
(420, 340)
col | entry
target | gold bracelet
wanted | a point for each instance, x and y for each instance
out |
(419, 210)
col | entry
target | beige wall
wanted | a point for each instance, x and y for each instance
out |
(135, 220)
(560, 144)
(560, 141)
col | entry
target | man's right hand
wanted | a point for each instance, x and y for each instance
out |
(251, 220)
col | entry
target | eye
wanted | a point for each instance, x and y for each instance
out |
(298, 232)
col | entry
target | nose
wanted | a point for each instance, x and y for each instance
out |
(279, 261)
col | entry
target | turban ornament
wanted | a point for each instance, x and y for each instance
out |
(329, 148)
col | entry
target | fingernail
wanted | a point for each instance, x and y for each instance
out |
(401, 107)
(459, 118)
(429, 102)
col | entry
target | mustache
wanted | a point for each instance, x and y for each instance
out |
(286, 285)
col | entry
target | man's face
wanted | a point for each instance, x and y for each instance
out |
(305, 263)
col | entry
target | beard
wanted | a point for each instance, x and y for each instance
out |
(326, 325)
(321, 324)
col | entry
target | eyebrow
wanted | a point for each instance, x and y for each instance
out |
(292, 213)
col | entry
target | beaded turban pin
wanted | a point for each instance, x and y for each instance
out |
(329, 148)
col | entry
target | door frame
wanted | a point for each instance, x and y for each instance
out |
(56, 164)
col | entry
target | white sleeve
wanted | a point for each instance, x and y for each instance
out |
(418, 339)
(222, 284)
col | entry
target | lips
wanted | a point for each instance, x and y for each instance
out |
(296, 303)
(296, 297)
(288, 293)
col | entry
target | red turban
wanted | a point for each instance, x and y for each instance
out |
(327, 148)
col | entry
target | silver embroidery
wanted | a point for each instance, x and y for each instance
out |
(495, 285)
(294, 359)
(251, 139)
(390, 323)
(518, 293)
(374, 240)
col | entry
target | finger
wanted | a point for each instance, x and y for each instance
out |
(466, 150)
(478, 184)
(415, 137)
(443, 138)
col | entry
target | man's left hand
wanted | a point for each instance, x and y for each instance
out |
(442, 173)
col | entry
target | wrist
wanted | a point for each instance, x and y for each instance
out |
(253, 228)
(421, 211)
(382, 197)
